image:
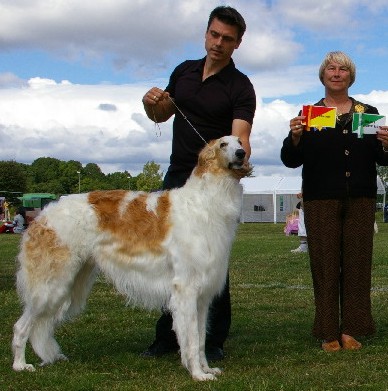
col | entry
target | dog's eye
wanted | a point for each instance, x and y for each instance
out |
(223, 145)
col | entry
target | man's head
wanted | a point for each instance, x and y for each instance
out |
(229, 15)
(223, 35)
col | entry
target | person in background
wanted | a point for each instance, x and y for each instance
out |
(18, 224)
(218, 100)
(7, 215)
(339, 193)
(303, 248)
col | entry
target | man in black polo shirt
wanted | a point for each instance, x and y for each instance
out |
(218, 100)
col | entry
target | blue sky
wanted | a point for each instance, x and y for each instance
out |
(72, 74)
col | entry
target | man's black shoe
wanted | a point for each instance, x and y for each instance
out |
(214, 353)
(159, 349)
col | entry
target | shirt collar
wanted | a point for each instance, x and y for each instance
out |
(224, 74)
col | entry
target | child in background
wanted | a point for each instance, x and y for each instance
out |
(303, 248)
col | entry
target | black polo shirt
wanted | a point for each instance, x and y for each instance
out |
(209, 105)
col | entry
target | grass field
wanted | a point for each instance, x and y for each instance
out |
(270, 345)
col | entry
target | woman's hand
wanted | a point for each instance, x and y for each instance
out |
(296, 127)
(382, 135)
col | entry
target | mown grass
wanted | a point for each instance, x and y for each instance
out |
(270, 346)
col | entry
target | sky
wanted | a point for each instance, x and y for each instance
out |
(73, 73)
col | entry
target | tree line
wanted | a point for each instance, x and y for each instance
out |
(382, 172)
(50, 175)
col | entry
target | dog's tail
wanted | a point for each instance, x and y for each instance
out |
(83, 284)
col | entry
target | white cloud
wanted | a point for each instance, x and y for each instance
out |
(287, 81)
(378, 99)
(106, 124)
(141, 36)
(64, 121)
(146, 35)
(331, 16)
(8, 79)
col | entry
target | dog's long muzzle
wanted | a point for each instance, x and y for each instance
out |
(240, 155)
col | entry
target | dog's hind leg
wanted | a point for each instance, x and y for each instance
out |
(43, 341)
(22, 329)
(46, 304)
(37, 324)
(40, 330)
(183, 306)
(69, 303)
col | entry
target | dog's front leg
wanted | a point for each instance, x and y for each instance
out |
(183, 306)
(203, 310)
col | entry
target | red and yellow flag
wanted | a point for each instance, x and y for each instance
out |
(319, 117)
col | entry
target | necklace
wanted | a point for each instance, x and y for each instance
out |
(341, 109)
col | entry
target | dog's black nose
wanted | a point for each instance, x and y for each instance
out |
(240, 153)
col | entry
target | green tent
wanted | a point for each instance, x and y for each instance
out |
(37, 200)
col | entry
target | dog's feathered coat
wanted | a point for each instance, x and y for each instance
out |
(168, 248)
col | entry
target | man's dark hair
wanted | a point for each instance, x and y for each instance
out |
(228, 15)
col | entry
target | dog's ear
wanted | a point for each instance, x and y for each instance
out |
(208, 153)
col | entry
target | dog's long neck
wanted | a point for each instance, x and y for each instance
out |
(214, 190)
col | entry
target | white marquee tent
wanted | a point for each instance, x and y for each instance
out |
(272, 198)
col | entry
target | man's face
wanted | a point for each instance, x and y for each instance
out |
(220, 40)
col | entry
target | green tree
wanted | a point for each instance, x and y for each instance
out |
(92, 170)
(121, 180)
(382, 172)
(54, 186)
(69, 176)
(13, 176)
(45, 169)
(90, 184)
(50, 175)
(150, 179)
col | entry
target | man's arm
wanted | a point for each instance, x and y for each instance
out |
(242, 129)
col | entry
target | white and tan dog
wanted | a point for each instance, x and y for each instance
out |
(168, 248)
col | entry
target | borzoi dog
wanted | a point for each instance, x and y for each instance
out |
(164, 249)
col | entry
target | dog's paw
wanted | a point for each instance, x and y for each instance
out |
(58, 357)
(23, 367)
(62, 357)
(214, 371)
(204, 376)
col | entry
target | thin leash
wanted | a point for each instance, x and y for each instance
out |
(184, 117)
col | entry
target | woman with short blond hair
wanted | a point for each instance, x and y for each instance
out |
(339, 193)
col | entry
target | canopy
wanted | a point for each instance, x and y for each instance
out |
(280, 185)
(273, 185)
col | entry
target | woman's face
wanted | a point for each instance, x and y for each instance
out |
(336, 77)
